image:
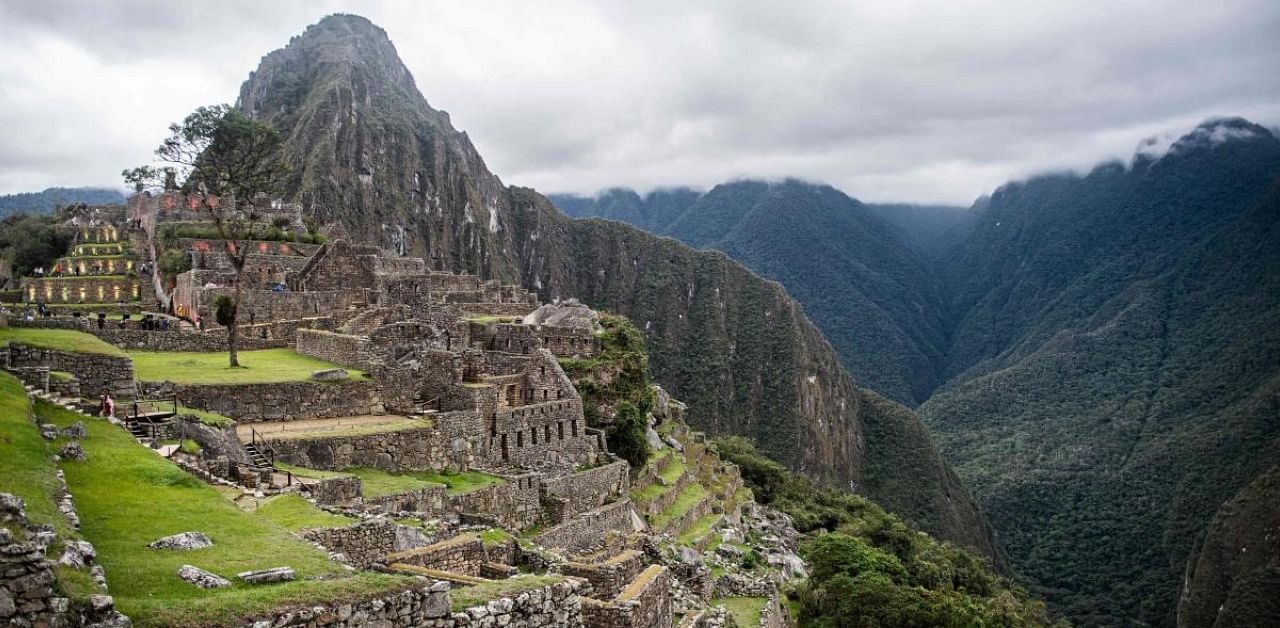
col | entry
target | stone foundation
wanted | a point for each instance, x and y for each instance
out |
(96, 372)
(645, 603)
(589, 529)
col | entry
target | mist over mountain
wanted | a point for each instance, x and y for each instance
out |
(372, 154)
(1099, 356)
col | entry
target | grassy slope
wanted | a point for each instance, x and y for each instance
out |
(60, 339)
(25, 467)
(380, 483)
(128, 497)
(266, 366)
(294, 513)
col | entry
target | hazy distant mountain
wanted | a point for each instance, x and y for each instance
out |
(371, 153)
(46, 201)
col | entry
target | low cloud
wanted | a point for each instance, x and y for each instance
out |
(910, 101)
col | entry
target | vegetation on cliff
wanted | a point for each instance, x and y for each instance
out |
(870, 568)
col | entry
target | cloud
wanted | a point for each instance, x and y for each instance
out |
(906, 100)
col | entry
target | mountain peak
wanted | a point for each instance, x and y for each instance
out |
(1207, 135)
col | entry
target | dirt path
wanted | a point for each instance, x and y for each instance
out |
(276, 428)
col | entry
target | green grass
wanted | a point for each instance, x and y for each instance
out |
(745, 610)
(380, 483)
(294, 513)
(128, 497)
(58, 339)
(466, 597)
(495, 536)
(25, 467)
(685, 502)
(698, 529)
(267, 366)
(208, 418)
(671, 471)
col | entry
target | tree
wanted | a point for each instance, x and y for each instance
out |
(220, 153)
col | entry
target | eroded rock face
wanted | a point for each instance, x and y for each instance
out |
(201, 578)
(183, 541)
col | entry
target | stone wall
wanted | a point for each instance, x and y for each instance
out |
(174, 340)
(579, 492)
(514, 504)
(413, 449)
(609, 577)
(431, 501)
(284, 401)
(645, 603)
(96, 372)
(589, 529)
(463, 554)
(364, 544)
(347, 350)
(335, 491)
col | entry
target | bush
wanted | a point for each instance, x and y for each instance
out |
(626, 435)
(224, 308)
(174, 262)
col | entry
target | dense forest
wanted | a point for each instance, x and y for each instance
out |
(1104, 361)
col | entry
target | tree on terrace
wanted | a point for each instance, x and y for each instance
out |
(219, 153)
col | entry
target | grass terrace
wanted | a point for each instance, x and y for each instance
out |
(294, 513)
(267, 366)
(128, 496)
(380, 483)
(26, 470)
(683, 503)
(745, 610)
(208, 418)
(465, 597)
(59, 340)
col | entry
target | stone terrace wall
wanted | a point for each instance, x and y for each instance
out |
(461, 555)
(609, 577)
(644, 604)
(354, 351)
(285, 401)
(414, 449)
(589, 528)
(514, 504)
(585, 490)
(96, 372)
(335, 491)
(430, 501)
(182, 341)
(364, 544)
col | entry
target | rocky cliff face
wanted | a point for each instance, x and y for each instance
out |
(1235, 579)
(369, 152)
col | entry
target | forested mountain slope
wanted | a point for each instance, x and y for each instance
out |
(873, 296)
(1116, 364)
(370, 152)
(1108, 344)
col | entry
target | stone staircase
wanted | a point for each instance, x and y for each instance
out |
(68, 403)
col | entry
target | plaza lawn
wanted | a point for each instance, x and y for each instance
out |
(59, 339)
(267, 366)
(128, 496)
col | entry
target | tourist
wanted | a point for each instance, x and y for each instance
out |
(108, 408)
(102, 320)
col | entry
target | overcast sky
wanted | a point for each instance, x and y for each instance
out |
(900, 100)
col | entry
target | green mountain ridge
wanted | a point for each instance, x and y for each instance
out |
(1109, 348)
(372, 154)
(49, 199)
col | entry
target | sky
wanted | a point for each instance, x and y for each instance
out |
(903, 100)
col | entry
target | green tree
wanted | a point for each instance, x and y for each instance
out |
(218, 151)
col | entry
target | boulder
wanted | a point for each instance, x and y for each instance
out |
(183, 541)
(73, 451)
(264, 576)
(655, 440)
(330, 375)
(49, 431)
(75, 430)
(201, 578)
